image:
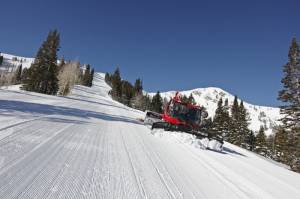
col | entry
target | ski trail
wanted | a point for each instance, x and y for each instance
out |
(137, 180)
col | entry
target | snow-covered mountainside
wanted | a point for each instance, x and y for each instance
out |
(89, 146)
(11, 62)
(209, 97)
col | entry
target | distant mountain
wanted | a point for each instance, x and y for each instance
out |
(208, 97)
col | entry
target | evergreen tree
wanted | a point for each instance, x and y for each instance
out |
(42, 75)
(91, 78)
(261, 144)
(226, 119)
(191, 99)
(138, 86)
(1, 60)
(281, 145)
(218, 120)
(243, 125)
(24, 75)
(116, 85)
(80, 77)
(207, 125)
(234, 125)
(221, 121)
(184, 99)
(146, 103)
(271, 146)
(127, 93)
(250, 141)
(290, 96)
(87, 75)
(108, 79)
(157, 103)
(18, 75)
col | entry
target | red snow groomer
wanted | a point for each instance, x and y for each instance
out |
(184, 117)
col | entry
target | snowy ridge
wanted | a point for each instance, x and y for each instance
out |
(87, 145)
(13, 61)
(209, 97)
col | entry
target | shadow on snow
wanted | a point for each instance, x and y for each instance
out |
(7, 107)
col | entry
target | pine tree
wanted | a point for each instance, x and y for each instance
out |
(234, 125)
(184, 99)
(261, 144)
(250, 141)
(108, 78)
(42, 75)
(1, 60)
(24, 75)
(80, 76)
(218, 120)
(191, 99)
(243, 125)
(227, 120)
(116, 85)
(290, 96)
(157, 103)
(91, 78)
(127, 93)
(138, 86)
(18, 75)
(146, 103)
(87, 75)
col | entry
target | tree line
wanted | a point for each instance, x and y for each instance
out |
(132, 94)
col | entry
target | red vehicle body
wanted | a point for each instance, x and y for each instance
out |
(183, 116)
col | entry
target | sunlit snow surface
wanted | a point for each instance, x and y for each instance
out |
(89, 146)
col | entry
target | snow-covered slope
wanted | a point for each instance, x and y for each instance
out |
(89, 146)
(209, 97)
(11, 62)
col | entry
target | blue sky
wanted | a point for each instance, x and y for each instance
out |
(239, 46)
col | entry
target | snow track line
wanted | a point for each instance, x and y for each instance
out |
(160, 174)
(23, 122)
(10, 138)
(137, 180)
(4, 169)
(181, 177)
(99, 141)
